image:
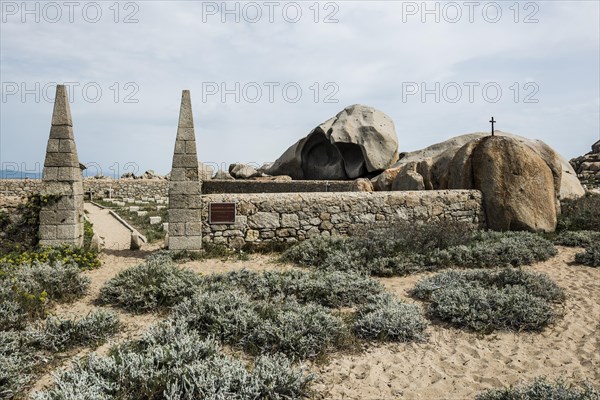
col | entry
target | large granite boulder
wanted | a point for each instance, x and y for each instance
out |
(433, 164)
(518, 185)
(358, 142)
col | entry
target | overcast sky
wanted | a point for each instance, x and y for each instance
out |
(437, 72)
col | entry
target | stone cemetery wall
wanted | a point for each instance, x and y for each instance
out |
(251, 186)
(137, 188)
(297, 216)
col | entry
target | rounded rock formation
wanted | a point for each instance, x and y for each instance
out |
(518, 186)
(359, 141)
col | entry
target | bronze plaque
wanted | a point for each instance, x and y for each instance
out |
(221, 213)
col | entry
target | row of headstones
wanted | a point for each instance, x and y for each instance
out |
(62, 215)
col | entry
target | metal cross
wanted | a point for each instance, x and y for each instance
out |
(492, 122)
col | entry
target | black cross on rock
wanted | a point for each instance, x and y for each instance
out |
(492, 122)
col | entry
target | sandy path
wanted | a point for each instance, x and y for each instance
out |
(456, 365)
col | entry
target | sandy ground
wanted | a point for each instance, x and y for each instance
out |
(456, 365)
(451, 364)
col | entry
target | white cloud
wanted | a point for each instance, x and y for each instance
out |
(369, 54)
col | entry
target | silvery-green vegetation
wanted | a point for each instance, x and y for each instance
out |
(24, 352)
(385, 318)
(543, 389)
(174, 362)
(26, 290)
(156, 283)
(577, 238)
(591, 255)
(407, 250)
(487, 300)
(331, 289)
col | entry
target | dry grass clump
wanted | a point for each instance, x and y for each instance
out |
(487, 300)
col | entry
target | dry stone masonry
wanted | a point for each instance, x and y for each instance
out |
(61, 215)
(289, 217)
(185, 196)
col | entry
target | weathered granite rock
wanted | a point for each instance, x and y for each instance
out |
(61, 215)
(242, 171)
(223, 175)
(185, 184)
(433, 164)
(358, 142)
(588, 167)
(408, 180)
(518, 186)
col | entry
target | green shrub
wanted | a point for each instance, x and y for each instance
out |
(496, 249)
(20, 233)
(581, 214)
(542, 389)
(84, 259)
(330, 289)
(577, 238)
(172, 362)
(155, 284)
(591, 256)
(385, 318)
(61, 334)
(26, 290)
(299, 331)
(486, 300)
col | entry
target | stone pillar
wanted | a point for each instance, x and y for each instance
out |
(185, 203)
(61, 215)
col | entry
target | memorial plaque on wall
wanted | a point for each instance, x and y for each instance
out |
(221, 213)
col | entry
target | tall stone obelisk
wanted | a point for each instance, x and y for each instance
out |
(185, 200)
(61, 215)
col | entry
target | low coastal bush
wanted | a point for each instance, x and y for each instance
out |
(487, 300)
(427, 251)
(496, 249)
(61, 334)
(580, 214)
(332, 289)
(154, 284)
(542, 389)
(23, 354)
(577, 238)
(591, 255)
(259, 327)
(385, 318)
(172, 362)
(82, 258)
(26, 290)
(17, 364)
